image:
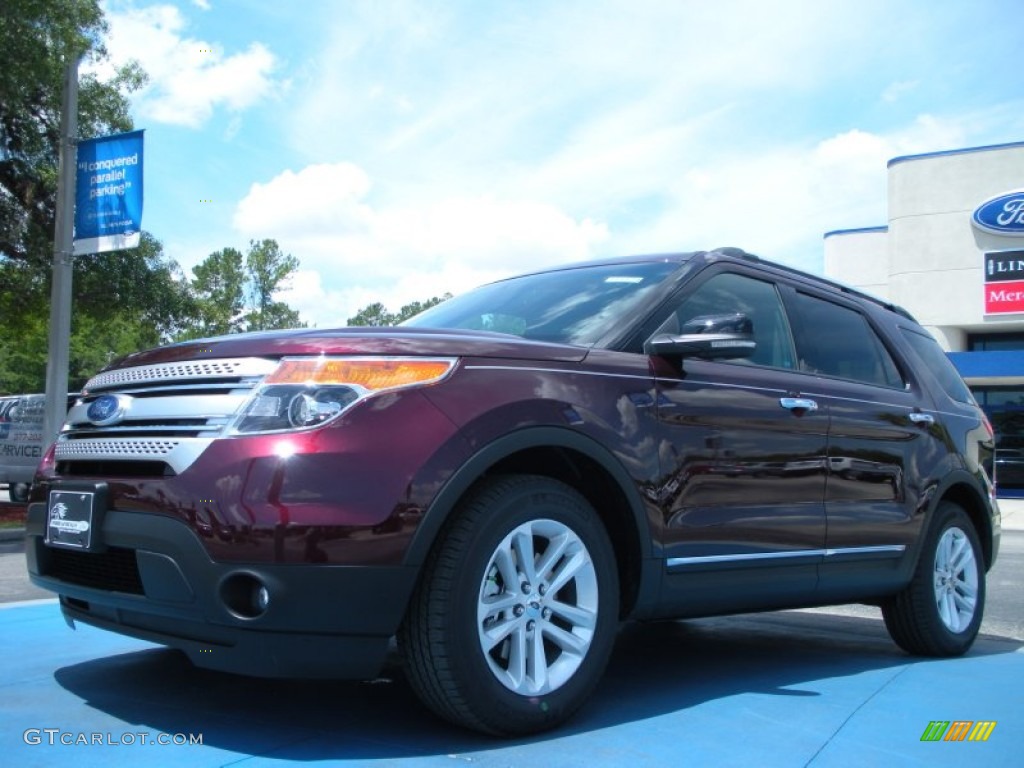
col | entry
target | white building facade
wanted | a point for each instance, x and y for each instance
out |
(952, 254)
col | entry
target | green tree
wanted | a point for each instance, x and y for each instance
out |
(278, 315)
(372, 315)
(22, 367)
(141, 284)
(122, 300)
(97, 343)
(37, 40)
(376, 314)
(269, 270)
(413, 309)
(219, 290)
(232, 293)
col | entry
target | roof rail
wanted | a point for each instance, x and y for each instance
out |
(739, 253)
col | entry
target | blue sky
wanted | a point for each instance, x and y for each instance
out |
(405, 148)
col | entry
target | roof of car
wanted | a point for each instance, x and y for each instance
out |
(738, 254)
(644, 258)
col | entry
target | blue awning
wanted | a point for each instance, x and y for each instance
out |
(989, 365)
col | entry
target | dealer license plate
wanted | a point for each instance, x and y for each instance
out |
(69, 519)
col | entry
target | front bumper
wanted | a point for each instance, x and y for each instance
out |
(157, 582)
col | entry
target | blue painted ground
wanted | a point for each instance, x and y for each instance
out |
(785, 689)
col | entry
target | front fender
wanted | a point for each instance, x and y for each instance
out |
(505, 446)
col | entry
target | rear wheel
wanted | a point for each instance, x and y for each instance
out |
(514, 621)
(939, 613)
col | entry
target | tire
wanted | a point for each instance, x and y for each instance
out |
(939, 613)
(18, 492)
(493, 645)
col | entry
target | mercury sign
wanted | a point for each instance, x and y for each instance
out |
(1004, 282)
(1002, 215)
(108, 193)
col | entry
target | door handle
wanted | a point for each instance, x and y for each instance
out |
(798, 403)
(922, 418)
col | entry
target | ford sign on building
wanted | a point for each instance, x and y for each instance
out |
(952, 253)
(1002, 215)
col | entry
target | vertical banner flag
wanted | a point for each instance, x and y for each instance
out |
(108, 193)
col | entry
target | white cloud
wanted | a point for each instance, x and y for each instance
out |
(353, 253)
(607, 114)
(489, 138)
(319, 199)
(499, 234)
(496, 79)
(776, 202)
(779, 203)
(188, 78)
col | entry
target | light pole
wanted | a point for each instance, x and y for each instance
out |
(63, 248)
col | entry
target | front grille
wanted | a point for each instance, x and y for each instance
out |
(115, 570)
(168, 413)
(80, 447)
(115, 468)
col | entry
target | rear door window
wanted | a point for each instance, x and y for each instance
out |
(838, 341)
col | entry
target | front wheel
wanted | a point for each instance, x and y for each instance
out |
(939, 613)
(515, 618)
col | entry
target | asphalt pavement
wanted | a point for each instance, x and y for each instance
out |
(823, 687)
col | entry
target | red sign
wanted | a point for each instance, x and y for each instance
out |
(1004, 297)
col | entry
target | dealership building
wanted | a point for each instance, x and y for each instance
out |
(952, 254)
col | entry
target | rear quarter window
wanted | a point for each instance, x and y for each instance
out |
(936, 361)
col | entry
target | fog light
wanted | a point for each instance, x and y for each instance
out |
(262, 599)
(245, 595)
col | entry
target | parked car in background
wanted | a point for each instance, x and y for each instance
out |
(502, 480)
(21, 442)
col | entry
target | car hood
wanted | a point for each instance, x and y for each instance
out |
(360, 341)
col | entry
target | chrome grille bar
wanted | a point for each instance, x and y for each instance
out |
(170, 412)
(224, 368)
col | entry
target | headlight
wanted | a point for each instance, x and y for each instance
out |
(306, 392)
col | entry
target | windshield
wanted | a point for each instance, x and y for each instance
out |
(575, 306)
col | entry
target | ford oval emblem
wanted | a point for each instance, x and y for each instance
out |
(107, 409)
(1002, 215)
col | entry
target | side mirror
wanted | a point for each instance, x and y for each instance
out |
(709, 336)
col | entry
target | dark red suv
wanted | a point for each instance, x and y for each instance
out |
(502, 480)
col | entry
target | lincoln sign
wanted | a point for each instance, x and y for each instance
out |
(1004, 282)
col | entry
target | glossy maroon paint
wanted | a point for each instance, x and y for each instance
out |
(716, 496)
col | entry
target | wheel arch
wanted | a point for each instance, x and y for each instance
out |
(962, 489)
(579, 462)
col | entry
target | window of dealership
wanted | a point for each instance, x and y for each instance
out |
(952, 253)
